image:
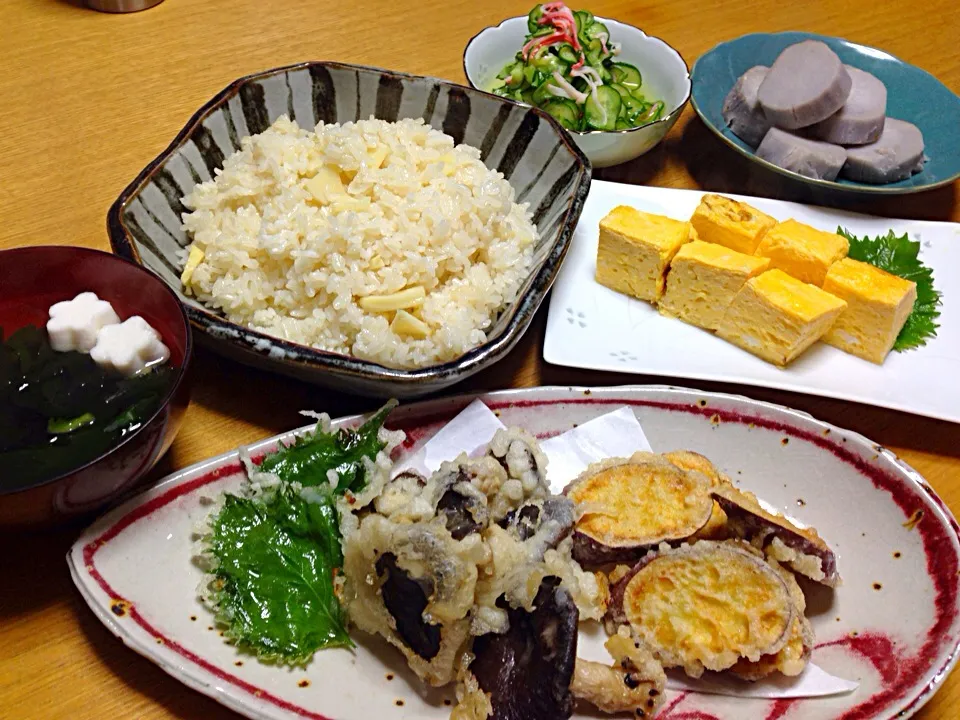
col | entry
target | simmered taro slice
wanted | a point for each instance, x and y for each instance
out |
(405, 600)
(800, 549)
(897, 154)
(527, 670)
(742, 110)
(861, 119)
(630, 505)
(705, 606)
(807, 83)
(810, 158)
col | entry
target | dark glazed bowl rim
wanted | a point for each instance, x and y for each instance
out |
(303, 356)
(171, 393)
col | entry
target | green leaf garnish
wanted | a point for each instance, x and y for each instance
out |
(274, 577)
(901, 256)
(62, 426)
(275, 556)
(308, 460)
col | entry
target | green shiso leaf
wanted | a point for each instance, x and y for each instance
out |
(275, 576)
(308, 460)
(900, 256)
(275, 556)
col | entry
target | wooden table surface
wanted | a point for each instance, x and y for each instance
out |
(88, 99)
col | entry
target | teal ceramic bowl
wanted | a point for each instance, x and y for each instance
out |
(912, 94)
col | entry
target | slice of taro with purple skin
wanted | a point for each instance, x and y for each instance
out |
(630, 505)
(800, 549)
(527, 670)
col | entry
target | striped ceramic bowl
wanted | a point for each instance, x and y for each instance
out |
(536, 156)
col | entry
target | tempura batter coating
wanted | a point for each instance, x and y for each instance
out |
(629, 505)
(716, 527)
(705, 606)
(794, 656)
(634, 683)
(800, 549)
(432, 563)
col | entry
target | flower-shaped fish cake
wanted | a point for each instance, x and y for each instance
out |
(74, 324)
(130, 347)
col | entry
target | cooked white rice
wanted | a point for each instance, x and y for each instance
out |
(414, 211)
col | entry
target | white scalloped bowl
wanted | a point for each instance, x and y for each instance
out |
(664, 72)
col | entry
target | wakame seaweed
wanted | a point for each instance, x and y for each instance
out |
(60, 410)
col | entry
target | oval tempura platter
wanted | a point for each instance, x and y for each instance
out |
(892, 625)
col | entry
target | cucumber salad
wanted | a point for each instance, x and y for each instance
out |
(568, 68)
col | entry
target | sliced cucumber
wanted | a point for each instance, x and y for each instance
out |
(547, 63)
(568, 54)
(584, 20)
(623, 124)
(542, 94)
(630, 103)
(602, 113)
(527, 96)
(530, 75)
(533, 19)
(565, 111)
(542, 31)
(650, 114)
(594, 56)
(627, 75)
(598, 31)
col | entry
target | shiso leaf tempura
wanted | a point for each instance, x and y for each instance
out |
(272, 553)
(567, 67)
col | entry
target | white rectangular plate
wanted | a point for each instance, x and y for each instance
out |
(590, 326)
